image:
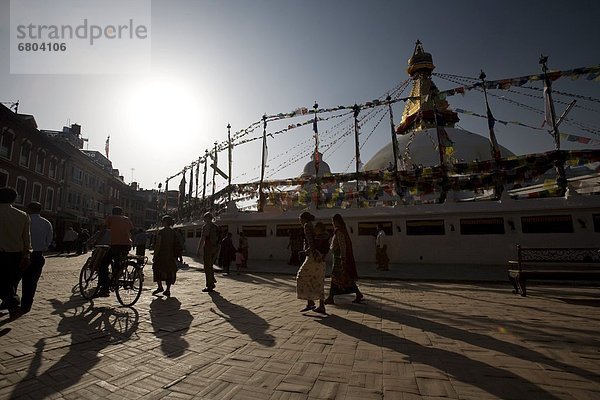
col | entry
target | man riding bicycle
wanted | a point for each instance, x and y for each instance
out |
(120, 228)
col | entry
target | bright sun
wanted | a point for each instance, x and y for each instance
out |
(164, 105)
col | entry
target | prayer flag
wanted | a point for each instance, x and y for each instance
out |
(182, 190)
(548, 105)
(446, 145)
(493, 141)
(106, 145)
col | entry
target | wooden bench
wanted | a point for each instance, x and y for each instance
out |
(556, 264)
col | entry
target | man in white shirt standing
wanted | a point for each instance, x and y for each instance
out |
(15, 250)
(41, 237)
(381, 256)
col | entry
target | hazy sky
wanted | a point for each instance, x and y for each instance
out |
(220, 62)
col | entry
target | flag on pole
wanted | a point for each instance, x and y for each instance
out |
(182, 190)
(491, 122)
(191, 184)
(548, 105)
(107, 145)
(446, 144)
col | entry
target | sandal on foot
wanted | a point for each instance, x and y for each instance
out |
(157, 291)
(308, 308)
(320, 310)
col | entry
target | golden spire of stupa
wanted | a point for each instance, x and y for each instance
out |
(419, 110)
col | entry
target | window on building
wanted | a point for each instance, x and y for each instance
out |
(482, 226)
(6, 143)
(286, 230)
(21, 187)
(425, 227)
(255, 230)
(25, 154)
(3, 178)
(40, 160)
(52, 168)
(547, 224)
(370, 228)
(49, 203)
(36, 192)
(61, 170)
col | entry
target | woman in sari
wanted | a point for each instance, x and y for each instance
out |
(343, 274)
(310, 280)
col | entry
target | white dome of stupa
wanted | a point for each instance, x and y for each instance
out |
(419, 148)
(310, 170)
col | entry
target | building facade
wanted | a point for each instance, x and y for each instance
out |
(76, 187)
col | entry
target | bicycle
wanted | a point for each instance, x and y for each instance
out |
(127, 280)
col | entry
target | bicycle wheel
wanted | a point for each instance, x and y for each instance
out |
(129, 284)
(88, 280)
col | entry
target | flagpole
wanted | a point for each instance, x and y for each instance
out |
(214, 174)
(441, 152)
(356, 109)
(394, 143)
(498, 185)
(204, 179)
(316, 156)
(191, 187)
(559, 163)
(166, 195)
(229, 159)
(197, 177)
(262, 169)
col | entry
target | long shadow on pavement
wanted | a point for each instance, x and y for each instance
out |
(91, 329)
(495, 381)
(533, 327)
(170, 323)
(242, 319)
(404, 317)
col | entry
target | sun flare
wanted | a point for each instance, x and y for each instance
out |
(162, 106)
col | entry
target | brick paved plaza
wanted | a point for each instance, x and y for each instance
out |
(411, 340)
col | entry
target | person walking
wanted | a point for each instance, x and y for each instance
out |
(41, 237)
(164, 262)
(140, 242)
(343, 274)
(80, 243)
(15, 250)
(226, 253)
(243, 248)
(69, 239)
(120, 243)
(209, 243)
(383, 261)
(311, 275)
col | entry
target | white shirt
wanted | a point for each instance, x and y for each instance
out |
(41, 232)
